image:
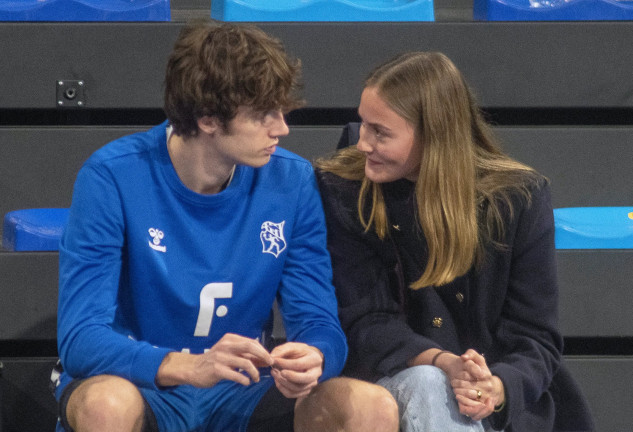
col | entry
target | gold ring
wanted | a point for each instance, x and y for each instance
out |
(479, 393)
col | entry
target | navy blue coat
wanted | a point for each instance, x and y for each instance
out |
(506, 309)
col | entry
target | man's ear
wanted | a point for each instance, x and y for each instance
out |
(208, 124)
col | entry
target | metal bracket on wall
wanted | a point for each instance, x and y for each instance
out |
(70, 93)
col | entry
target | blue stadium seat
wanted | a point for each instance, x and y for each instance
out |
(37, 229)
(322, 10)
(552, 10)
(594, 227)
(85, 10)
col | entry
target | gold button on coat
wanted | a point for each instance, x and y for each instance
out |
(460, 297)
(437, 322)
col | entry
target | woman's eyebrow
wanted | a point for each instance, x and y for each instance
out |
(378, 126)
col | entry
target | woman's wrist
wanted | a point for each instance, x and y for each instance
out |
(501, 394)
(500, 407)
(430, 356)
(437, 355)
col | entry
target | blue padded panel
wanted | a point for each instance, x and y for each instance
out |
(85, 10)
(36, 229)
(594, 227)
(322, 10)
(552, 10)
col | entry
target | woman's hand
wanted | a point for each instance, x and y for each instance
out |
(477, 391)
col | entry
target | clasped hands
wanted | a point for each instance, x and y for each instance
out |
(295, 367)
(476, 389)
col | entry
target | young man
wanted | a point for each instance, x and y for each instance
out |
(180, 238)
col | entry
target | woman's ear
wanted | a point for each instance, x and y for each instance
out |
(208, 124)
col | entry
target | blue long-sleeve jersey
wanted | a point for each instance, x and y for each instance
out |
(148, 266)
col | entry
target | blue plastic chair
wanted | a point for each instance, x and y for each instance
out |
(552, 10)
(322, 10)
(36, 229)
(85, 10)
(594, 227)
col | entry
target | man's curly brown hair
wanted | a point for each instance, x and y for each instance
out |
(215, 68)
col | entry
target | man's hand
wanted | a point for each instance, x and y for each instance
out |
(296, 368)
(233, 357)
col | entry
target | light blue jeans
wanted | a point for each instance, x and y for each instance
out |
(427, 403)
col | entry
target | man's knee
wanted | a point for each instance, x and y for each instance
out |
(345, 404)
(381, 408)
(103, 400)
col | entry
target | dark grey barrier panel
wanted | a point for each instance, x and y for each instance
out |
(606, 382)
(27, 404)
(312, 142)
(588, 166)
(28, 286)
(38, 165)
(596, 292)
(29, 407)
(121, 64)
(520, 64)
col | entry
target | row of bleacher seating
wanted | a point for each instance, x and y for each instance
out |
(589, 165)
(594, 284)
(313, 10)
(40, 229)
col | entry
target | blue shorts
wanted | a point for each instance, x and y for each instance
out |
(227, 406)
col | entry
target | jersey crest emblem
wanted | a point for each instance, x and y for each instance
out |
(157, 235)
(272, 237)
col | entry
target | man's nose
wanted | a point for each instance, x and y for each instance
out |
(278, 125)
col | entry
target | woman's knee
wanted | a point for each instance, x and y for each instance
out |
(420, 385)
(426, 401)
(417, 377)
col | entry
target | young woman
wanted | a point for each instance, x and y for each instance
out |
(443, 255)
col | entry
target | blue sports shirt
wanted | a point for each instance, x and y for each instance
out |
(148, 266)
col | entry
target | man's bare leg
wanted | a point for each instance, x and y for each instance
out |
(105, 403)
(349, 405)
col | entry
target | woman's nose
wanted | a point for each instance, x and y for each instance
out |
(363, 145)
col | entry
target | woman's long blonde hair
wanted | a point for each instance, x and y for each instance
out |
(464, 177)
